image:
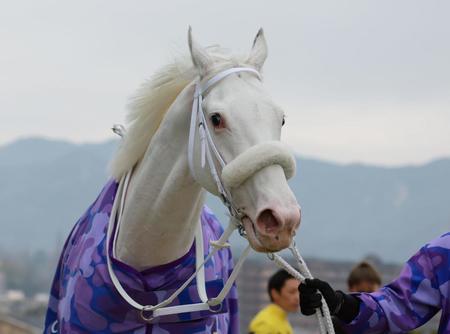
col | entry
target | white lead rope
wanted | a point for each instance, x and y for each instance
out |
(323, 314)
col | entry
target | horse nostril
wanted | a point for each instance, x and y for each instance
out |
(267, 222)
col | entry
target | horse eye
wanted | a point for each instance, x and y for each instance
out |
(284, 121)
(216, 120)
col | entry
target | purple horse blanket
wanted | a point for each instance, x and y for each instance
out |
(83, 298)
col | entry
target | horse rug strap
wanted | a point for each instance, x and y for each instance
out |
(150, 312)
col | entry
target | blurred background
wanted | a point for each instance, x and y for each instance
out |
(365, 86)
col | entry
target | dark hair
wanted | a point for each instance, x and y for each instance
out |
(277, 280)
(363, 272)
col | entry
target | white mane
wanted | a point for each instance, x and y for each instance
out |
(149, 105)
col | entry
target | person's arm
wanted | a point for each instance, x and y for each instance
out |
(406, 303)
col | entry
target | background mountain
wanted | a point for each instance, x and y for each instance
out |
(349, 211)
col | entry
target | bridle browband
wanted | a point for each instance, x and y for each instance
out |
(224, 180)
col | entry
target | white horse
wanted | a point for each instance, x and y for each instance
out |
(162, 205)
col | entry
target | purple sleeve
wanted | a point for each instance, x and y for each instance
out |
(411, 299)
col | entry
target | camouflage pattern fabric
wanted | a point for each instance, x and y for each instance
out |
(84, 300)
(421, 290)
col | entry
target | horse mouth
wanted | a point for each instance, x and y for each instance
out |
(259, 242)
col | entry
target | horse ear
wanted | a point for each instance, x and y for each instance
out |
(258, 54)
(200, 57)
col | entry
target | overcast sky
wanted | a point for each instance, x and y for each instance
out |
(360, 81)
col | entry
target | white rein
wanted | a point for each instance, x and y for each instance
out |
(208, 153)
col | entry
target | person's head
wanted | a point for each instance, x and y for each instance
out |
(363, 278)
(283, 290)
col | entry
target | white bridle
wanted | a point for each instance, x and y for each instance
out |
(260, 158)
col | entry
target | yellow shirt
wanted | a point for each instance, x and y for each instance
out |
(270, 320)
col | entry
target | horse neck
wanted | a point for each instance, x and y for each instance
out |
(163, 202)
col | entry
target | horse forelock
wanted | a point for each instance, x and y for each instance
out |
(151, 102)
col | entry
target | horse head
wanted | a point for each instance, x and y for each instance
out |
(245, 126)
